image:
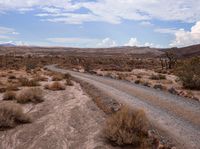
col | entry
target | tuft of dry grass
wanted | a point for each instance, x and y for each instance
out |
(12, 114)
(40, 78)
(157, 77)
(9, 95)
(34, 95)
(12, 87)
(55, 86)
(57, 77)
(127, 127)
(27, 82)
(11, 77)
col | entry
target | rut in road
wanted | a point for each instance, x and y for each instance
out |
(177, 116)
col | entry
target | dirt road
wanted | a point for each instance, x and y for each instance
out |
(178, 117)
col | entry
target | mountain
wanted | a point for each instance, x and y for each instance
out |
(189, 51)
(7, 45)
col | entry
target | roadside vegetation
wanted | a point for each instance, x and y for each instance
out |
(127, 127)
(189, 73)
(26, 95)
(12, 114)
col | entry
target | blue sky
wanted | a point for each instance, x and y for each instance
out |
(100, 23)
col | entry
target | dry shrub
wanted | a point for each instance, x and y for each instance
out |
(138, 81)
(189, 73)
(127, 127)
(158, 77)
(12, 114)
(69, 82)
(11, 77)
(40, 78)
(2, 89)
(12, 87)
(55, 86)
(68, 78)
(57, 77)
(27, 82)
(34, 95)
(9, 95)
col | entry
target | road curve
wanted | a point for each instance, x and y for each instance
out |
(178, 117)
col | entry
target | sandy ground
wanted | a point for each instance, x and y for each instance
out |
(65, 120)
(177, 116)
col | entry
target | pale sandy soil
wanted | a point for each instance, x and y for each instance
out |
(66, 119)
(171, 81)
(178, 117)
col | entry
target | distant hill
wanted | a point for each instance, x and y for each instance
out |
(189, 51)
(7, 45)
(124, 50)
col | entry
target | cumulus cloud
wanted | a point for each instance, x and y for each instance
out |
(134, 42)
(111, 11)
(107, 42)
(186, 38)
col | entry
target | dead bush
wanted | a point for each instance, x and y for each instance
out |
(12, 114)
(27, 82)
(12, 77)
(127, 127)
(55, 86)
(138, 81)
(34, 95)
(9, 95)
(40, 78)
(12, 87)
(67, 76)
(158, 77)
(189, 73)
(57, 77)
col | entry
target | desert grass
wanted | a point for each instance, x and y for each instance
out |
(28, 82)
(157, 77)
(58, 77)
(55, 86)
(12, 114)
(26, 95)
(127, 127)
(9, 95)
(40, 78)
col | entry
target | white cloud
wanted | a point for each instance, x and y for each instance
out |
(186, 38)
(111, 11)
(134, 42)
(166, 30)
(146, 24)
(107, 42)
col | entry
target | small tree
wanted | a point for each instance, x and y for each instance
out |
(171, 59)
